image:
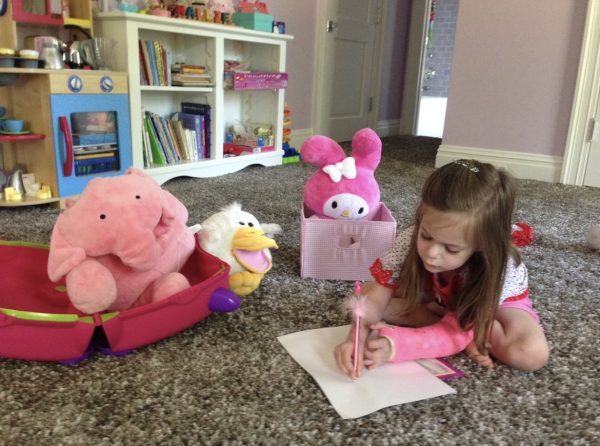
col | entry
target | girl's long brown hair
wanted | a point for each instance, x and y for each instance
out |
(487, 196)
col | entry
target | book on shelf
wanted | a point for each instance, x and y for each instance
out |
(167, 142)
(154, 63)
(182, 140)
(195, 108)
(145, 71)
(157, 124)
(191, 80)
(147, 151)
(184, 68)
(178, 137)
(193, 123)
(155, 152)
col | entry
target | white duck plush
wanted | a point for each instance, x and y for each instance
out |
(237, 238)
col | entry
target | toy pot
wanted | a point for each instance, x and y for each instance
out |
(97, 52)
(51, 56)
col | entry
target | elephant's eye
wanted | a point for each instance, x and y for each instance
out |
(137, 197)
(102, 216)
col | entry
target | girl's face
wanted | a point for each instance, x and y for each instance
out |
(443, 241)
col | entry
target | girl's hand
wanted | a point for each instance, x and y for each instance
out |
(344, 353)
(482, 359)
(379, 349)
(378, 298)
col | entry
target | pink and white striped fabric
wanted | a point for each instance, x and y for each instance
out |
(344, 249)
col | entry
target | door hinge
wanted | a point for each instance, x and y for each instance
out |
(331, 26)
(379, 12)
(594, 133)
(370, 104)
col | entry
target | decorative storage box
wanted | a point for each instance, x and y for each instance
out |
(344, 250)
(255, 80)
(254, 20)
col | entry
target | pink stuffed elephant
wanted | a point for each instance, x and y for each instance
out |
(120, 244)
(344, 187)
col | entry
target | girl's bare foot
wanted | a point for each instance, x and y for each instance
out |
(480, 358)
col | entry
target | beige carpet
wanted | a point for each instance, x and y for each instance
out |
(227, 380)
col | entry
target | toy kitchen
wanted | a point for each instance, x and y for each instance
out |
(59, 127)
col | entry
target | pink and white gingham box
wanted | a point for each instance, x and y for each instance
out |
(344, 250)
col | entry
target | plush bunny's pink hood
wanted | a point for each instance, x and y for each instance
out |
(344, 187)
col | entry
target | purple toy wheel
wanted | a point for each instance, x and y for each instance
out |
(223, 301)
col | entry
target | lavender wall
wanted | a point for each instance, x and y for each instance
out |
(513, 74)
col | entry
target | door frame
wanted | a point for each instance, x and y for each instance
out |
(323, 70)
(415, 66)
(585, 101)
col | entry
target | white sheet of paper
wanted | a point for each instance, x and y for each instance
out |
(382, 387)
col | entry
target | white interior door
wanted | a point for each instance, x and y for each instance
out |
(592, 168)
(347, 67)
(581, 163)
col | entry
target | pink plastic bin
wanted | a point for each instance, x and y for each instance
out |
(344, 250)
(38, 322)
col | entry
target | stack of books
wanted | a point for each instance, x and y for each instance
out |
(182, 136)
(154, 63)
(188, 75)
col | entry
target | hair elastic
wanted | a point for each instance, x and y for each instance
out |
(468, 165)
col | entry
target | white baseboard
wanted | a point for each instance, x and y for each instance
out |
(388, 128)
(299, 136)
(522, 165)
(383, 129)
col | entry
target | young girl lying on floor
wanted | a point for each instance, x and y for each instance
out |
(453, 281)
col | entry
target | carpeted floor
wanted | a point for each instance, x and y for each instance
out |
(227, 380)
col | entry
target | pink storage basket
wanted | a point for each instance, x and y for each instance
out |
(344, 250)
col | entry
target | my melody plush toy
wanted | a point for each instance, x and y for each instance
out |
(121, 244)
(344, 187)
(237, 238)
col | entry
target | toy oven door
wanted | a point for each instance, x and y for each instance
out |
(92, 138)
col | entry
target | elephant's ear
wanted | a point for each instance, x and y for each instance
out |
(63, 257)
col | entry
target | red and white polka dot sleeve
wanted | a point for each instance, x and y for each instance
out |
(385, 269)
(516, 284)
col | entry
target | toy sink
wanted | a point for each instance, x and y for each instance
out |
(38, 322)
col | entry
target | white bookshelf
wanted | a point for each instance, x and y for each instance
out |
(206, 44)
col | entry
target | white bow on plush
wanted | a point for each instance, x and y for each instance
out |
(347, 168)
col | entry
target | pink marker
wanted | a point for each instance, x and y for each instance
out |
(358, 310)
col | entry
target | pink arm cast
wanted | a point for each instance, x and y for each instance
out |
(444, 338)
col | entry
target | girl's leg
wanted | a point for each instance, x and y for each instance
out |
(516, 339)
